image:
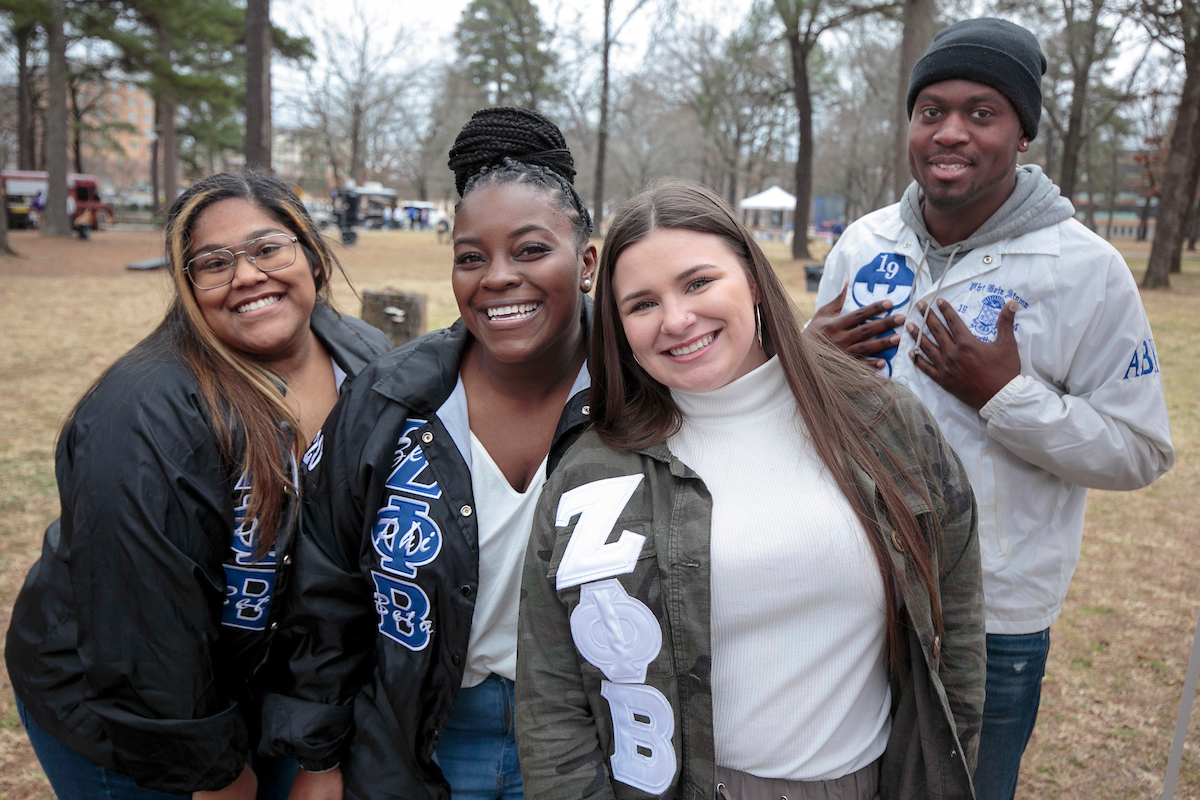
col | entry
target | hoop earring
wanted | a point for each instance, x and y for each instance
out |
(758, 325)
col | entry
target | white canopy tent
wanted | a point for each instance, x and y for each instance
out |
(773, 199)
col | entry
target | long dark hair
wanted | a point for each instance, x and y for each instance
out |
(245, 403)
(632, 410)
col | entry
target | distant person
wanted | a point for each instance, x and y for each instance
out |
(85, 223)
(443, 230)
(138, 644)
(402, 635)
(387, 218)
(1038, 362)
(757, 575)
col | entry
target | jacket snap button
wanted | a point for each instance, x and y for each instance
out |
(274, 625)
(456, 659)
(287, 559)
(586, 410)
(987, 259)
(896, 542)
(426, 437)
(465, 590)
(465, 511)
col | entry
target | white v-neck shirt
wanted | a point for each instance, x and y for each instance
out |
(504, 517)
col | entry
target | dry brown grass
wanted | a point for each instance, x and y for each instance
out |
(69, 308)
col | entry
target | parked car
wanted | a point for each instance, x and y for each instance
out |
(22, 187)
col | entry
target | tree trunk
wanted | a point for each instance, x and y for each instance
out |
(55, 220)
(356, 144)
(1194, 226)
(918, 33)
(1081, 66)
(1072, 142)
(25, 127)
(1050, 151)
(155, 183)
(258, 84)
(1090, 216)
(76, 130)
(1188, 202)
(802, 95)
(602, 133)
(5, 247)
(1114, 186)
(166, 128)
(1173, 202)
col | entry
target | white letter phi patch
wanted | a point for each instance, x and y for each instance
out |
(589, 555)
(616, 633)
(643, 724)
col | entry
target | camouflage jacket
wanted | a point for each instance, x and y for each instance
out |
(615, 615)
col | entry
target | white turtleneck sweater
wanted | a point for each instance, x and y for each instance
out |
(799, 680)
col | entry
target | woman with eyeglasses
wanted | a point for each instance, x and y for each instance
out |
(137, 643)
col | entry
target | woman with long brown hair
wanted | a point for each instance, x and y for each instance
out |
(137, 643)
(758, 575)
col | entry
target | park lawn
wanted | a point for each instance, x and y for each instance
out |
(69, 308)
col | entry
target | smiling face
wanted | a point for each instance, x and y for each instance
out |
(687, 308)
(264, 315)
(963, 142)
(518, 273)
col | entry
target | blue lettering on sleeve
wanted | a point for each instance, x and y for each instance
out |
(403, 610)
(247, 597)
(1143, 362)
(405, 477)
(405, 536)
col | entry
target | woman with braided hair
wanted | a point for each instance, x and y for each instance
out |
(401, 638)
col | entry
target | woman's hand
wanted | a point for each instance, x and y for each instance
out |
(317, 785)
(244, 787)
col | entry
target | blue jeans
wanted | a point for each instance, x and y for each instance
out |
(1015, 665)
(478, 750)
(74, 777)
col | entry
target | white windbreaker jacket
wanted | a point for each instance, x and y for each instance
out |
(1087, 409)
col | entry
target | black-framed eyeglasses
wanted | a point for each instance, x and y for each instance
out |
(216, 268)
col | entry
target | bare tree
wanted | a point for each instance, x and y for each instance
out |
(356, 90)
(734, 87)
(1088, 42)
(854, 152)
(804, 21)
(1176, 23)
(610, 36)
(917, 16)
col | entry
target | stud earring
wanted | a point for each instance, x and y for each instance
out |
(587, 284)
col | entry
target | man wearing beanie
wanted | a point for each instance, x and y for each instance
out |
(1023, 332)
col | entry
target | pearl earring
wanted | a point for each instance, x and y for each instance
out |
(587, 284)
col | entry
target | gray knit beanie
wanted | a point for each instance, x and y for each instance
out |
(990, 51)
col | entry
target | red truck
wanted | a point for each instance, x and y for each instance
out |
(22, 187)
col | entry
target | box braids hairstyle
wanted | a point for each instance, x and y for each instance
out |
(515, 145)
